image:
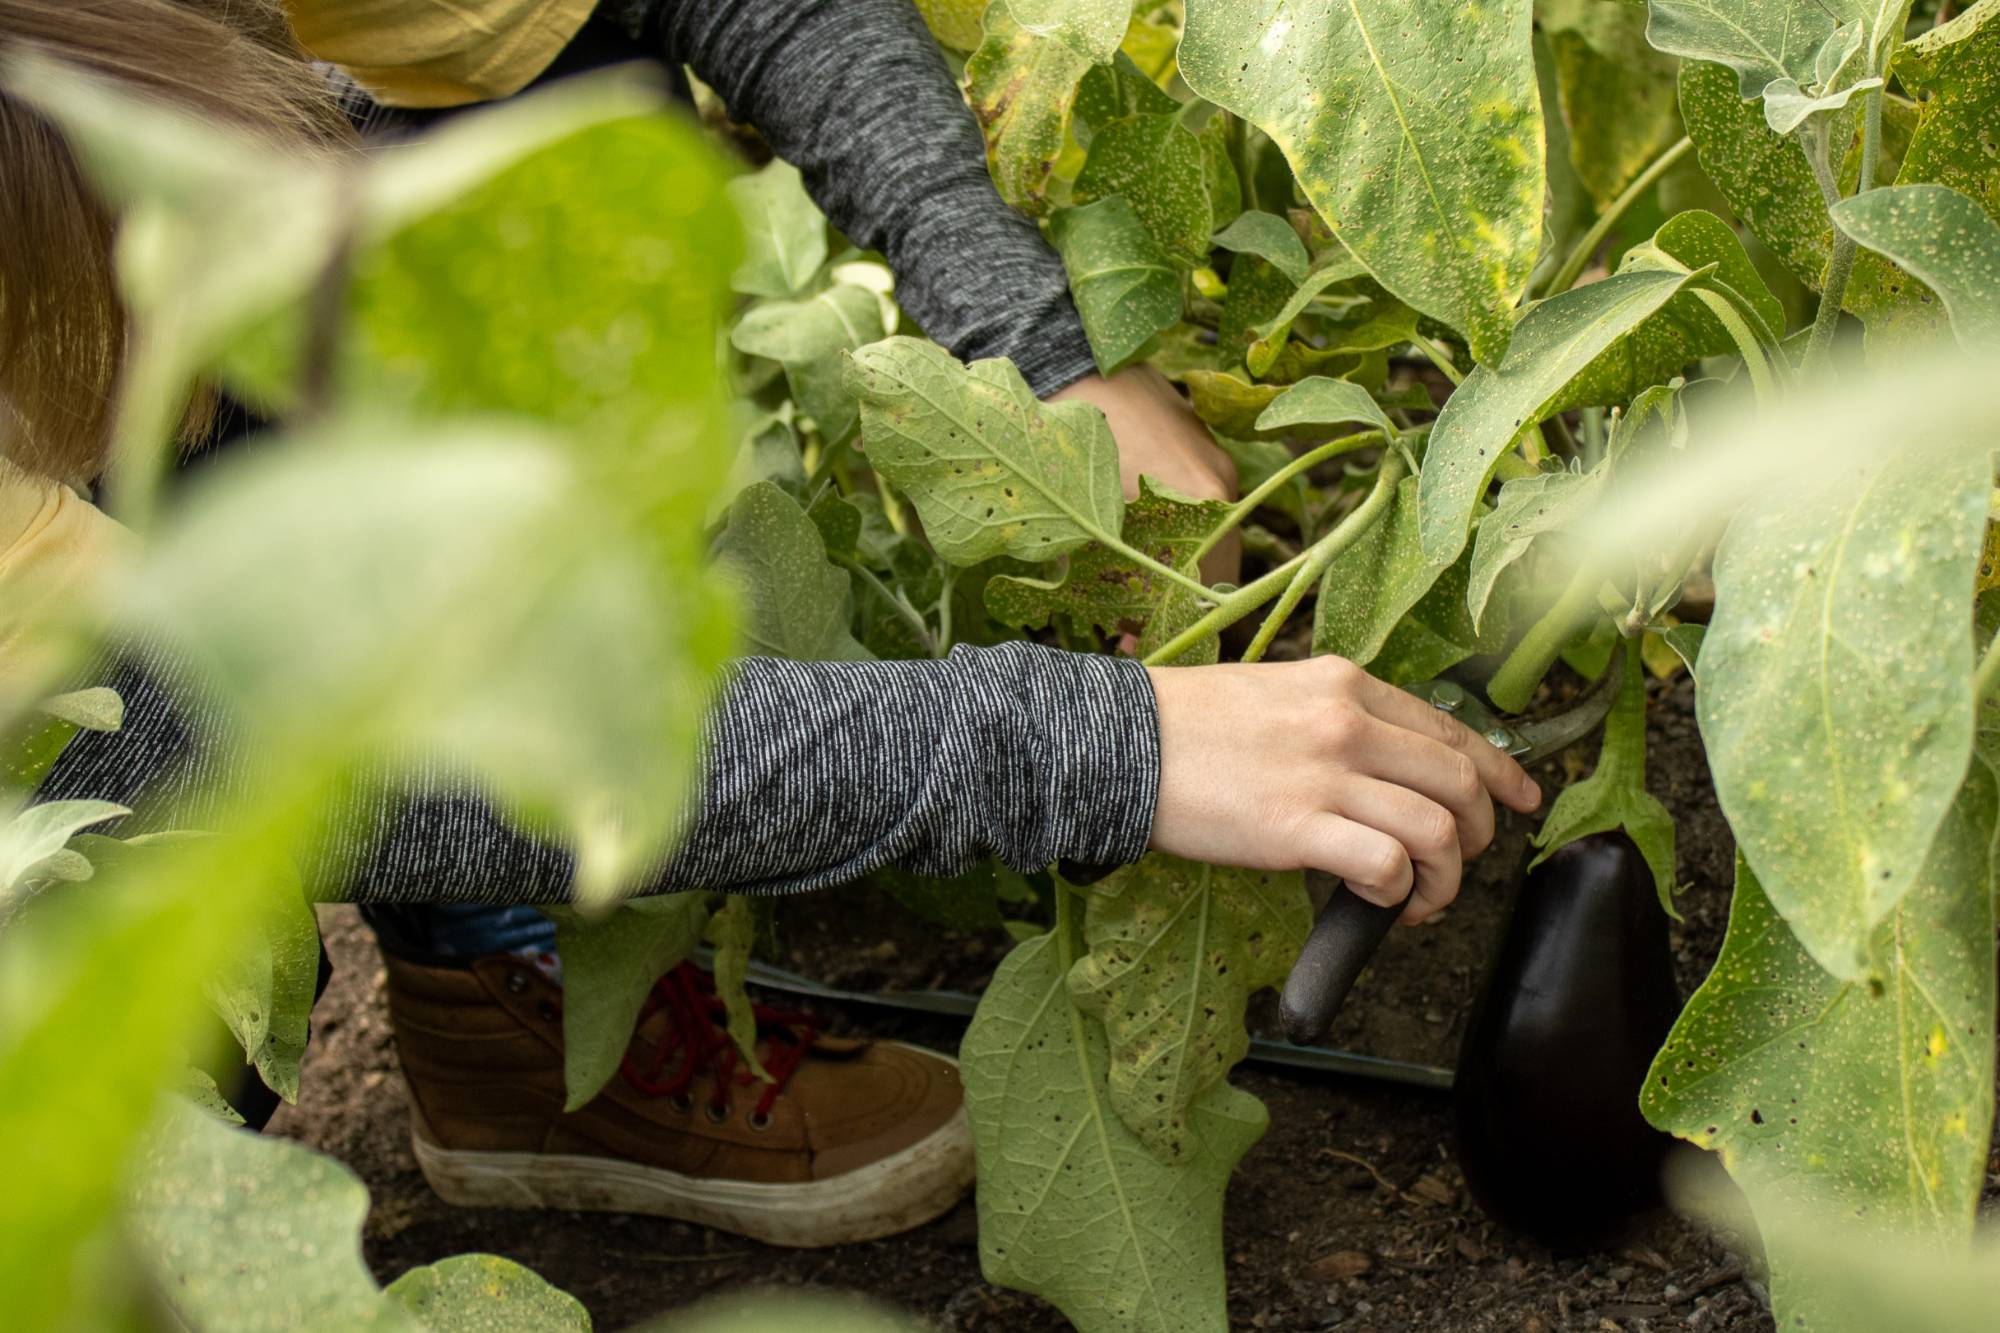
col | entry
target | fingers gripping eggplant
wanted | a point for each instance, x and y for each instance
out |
(1350, 929)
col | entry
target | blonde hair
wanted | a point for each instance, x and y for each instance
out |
(62, 327)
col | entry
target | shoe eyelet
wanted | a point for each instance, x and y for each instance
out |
(681, 1102)
(548, 1012)
(759, 1121)
(718, 1115)
(517, 983)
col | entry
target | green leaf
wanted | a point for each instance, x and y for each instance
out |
(1836, 704)
(99, 997)
(1091, 28)
(1022, 88)
(1257, 293)
(732, 931)
(1556, 341)
(1073, 1207)
(1615, 90)
(1156, 163)
(1371, 586)
(1437, 633)
(1690, 326)
(1118, 89)
(1868, 1098)
(1770, 186)
(1685, 640)
(990, 470)
(784, 234)
(1271, 239)
(1228, 403)
(196, 1085)
(1320, 401)
(1528, 508)
(798, 602)
(1426, 165)
(1954, 72)
(1942, 237)
(1788, 106)
(1614, 796)
(96, 709)
(428, 588)
(251, 1233)
(1103, 589)
(776, 1311)
(1761, 40)
(484, 1293)
(28, 838)
(1269, 337)
(1126, 288)
(610, 962)
(1176, 949)
(808, 338)
(965, 902)
(265, 996)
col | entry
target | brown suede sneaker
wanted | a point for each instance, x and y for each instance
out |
(854, 1140)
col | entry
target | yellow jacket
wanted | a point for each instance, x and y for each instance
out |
(432, 53)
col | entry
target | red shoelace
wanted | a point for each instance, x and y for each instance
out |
(697, 1032)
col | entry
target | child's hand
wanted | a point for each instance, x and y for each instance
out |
(1159, 436)
(1318, 765)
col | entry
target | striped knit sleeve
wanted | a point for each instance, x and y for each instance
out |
(814, 773)
(856, 95)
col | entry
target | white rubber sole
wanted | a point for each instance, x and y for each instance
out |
(881, 1199)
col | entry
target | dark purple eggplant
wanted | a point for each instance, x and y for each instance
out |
(1579, 997)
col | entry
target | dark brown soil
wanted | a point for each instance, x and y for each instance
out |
(1349, 1215)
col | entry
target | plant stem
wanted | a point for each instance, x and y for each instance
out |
(892, 506)
(1755, 361)
(1324, 552)
(1294, 575)
(1833, 293)
(1986, 680)
(1579, 258)
(1437, 357)
(904, 611)
(1513, 685)
(1312, 458)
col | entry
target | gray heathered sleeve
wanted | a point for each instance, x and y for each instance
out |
(814, 773)
(856, 95)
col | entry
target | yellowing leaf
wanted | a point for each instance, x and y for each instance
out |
(1414, 127)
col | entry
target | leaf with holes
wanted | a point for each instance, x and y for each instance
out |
(991, 470)
(1414, 127)
(610, 962)
(1023, 89)
(1073, 1207)
(1869, 1097)
(1836, 702)
(1102, 589)
(1126, 288)
(1176, 949)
